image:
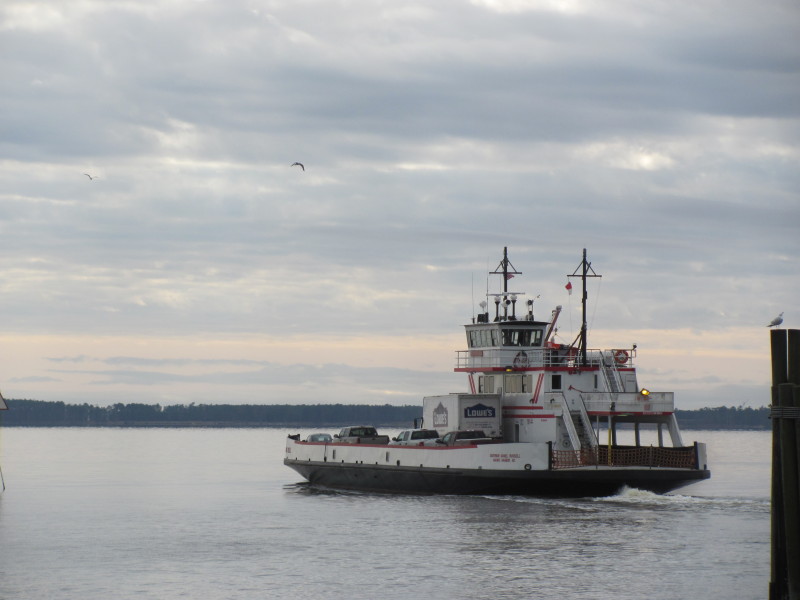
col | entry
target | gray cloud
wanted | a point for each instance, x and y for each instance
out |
(661, 137)
(35, 379)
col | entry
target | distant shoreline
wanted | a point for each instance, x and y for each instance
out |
(39, 413)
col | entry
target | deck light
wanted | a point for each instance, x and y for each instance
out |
(645, 392)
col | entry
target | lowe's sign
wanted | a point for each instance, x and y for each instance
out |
(479, 411)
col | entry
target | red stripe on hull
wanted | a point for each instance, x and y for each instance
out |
(624, 413)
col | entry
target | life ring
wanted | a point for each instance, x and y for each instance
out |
(621, 356)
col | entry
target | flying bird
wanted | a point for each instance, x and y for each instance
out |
(776, 321)
(90, 177)
(297, 164)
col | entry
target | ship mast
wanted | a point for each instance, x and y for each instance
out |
(586, 271)
(507, 270)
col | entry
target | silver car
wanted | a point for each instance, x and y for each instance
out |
(416, 437)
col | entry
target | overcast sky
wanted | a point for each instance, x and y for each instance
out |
(199, 266)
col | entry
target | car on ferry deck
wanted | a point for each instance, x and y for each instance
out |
(320, 437)
(416, 437)
(461, 438)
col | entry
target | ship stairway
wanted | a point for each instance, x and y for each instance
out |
(583, 427)
(611, 375)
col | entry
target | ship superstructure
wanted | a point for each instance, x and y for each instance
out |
(560, 393)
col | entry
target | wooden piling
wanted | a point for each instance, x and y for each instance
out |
(785, 526)
(790, 492)
(791, 462)
(777, 583)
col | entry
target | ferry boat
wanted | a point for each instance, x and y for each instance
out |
(549, 415)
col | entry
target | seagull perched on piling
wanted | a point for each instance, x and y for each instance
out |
(297, 164)
(776, 321)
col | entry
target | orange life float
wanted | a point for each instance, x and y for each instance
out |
(621, 356)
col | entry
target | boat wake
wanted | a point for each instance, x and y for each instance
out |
(637, 497)
(633, 498)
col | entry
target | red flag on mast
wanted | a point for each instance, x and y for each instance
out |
(569, 287)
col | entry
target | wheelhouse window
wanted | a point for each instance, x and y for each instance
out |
(522, 337)
(483, 338)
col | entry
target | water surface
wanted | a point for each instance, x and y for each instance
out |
(213, 514)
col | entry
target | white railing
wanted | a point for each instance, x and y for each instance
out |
(495, 358)
(655, 402)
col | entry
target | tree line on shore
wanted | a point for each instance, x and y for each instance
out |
(39, 413)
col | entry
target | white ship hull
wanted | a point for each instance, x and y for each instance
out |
(515, 468)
